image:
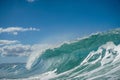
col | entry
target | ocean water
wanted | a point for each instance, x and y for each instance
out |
(96, 57)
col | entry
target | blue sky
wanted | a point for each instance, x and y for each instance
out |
(70, 18)
(56, 20)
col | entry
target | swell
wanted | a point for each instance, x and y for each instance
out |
(68, 56)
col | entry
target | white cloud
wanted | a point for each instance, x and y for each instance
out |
(15, 50)
(30, 1)
(6, 42)
(24, 50)
(15, 30)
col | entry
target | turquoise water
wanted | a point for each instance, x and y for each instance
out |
(96, 57)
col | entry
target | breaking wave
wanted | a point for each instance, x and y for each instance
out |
(96, 57)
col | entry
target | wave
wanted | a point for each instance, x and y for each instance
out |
(92, 58)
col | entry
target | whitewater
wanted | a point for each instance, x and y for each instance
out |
(96, 57)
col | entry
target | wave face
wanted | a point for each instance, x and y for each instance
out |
(94, 58)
